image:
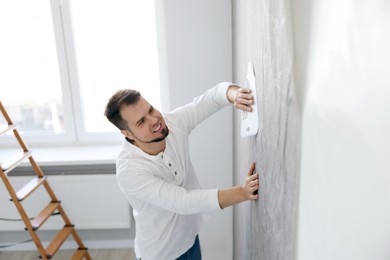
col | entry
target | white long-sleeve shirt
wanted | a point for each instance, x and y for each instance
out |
(168, 205)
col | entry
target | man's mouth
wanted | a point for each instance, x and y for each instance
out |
(159, 126)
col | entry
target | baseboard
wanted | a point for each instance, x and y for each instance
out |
(90, 244)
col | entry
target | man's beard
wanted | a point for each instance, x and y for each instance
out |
(164, 133)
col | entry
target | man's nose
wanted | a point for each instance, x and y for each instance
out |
(154, 120)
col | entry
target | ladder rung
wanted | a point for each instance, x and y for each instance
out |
(44, 214)
(58, 241)
(14, 161)
(4, 130)
(30, 187)
(79, 254)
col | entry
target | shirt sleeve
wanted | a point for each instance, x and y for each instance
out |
(203, 106)
(141, 184)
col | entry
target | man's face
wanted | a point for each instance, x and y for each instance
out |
(146, 124)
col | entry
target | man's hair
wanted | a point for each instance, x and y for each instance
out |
(120, 98)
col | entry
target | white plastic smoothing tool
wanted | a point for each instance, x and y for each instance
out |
(250, 120)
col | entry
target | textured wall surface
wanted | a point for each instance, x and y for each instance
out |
(344, 207)
(266, 229)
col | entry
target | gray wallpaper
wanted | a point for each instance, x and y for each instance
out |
(266, 229)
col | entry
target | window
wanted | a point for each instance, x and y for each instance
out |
(30, 80)
(62, 63)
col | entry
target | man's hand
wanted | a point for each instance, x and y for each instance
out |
(251, 184)
(231, 196)
(241, 98)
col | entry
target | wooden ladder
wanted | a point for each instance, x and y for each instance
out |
(17, 198)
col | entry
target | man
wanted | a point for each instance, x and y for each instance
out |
(156, 175)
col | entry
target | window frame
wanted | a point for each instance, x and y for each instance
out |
(62, 21)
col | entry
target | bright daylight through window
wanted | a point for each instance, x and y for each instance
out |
(29, 79)
(61, 63)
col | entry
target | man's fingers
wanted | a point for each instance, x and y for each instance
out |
(244, 90)
(254, 190)
(254, 177)
(243, 107)
(244, 96)
(251, 169)
(245, 99)
(244, 102)
(254, 183)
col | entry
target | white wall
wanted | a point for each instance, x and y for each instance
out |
(345, 180)
(195, 45)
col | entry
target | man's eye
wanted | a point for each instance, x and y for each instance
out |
(141, 122)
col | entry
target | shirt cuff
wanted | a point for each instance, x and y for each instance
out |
(214, 202)
(222, 92)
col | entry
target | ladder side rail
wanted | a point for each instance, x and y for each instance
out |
(9, 121)
(80, 243)
(36, 168)
(40, 173)
(20, 140)
(5, 114)
(74, 232)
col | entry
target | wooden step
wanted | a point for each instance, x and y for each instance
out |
(7, 128)
(80, 254)
(44, 214)
(30, 187)
(14, 161)
(58, 241)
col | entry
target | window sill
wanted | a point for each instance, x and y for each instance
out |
(68, 155)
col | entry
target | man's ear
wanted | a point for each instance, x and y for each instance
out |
(128, 134)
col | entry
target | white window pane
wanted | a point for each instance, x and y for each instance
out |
(116, 48)
(30, 83)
